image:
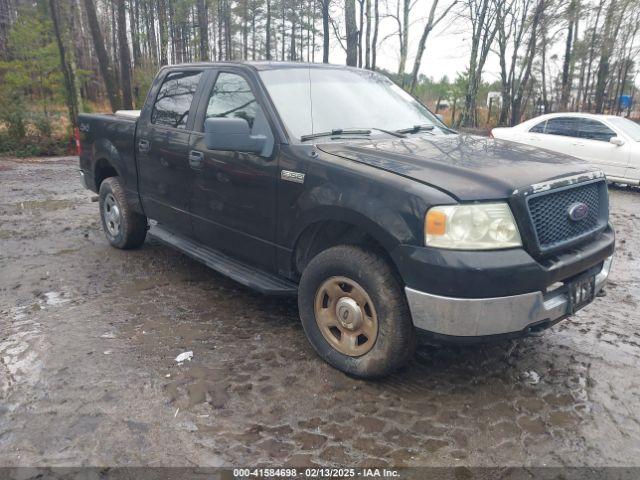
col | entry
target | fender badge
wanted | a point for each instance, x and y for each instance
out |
(289, 176)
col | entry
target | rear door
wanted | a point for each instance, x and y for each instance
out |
(594, 146)
(162, 142)
(234, 193)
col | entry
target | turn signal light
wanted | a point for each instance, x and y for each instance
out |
(436, 223)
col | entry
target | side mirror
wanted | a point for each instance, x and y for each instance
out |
(232, 134)
(616, 141)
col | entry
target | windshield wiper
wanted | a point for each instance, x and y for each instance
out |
(350, 131)
(336, 132)
(416, 129)
(395, 133)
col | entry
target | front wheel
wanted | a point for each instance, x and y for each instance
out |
(123, 227)
(354, 312)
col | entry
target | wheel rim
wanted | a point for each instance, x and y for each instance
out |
(112, 215)
(346, 316)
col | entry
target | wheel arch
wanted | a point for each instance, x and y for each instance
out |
(340, 227)
(103, 169)
(108, 161)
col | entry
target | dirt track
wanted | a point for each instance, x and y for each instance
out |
(89, 334)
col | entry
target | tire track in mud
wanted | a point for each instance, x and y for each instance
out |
(255, 388)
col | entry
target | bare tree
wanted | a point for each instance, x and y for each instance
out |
(104, 64)
(203, 27)
(512, 24)
(482, 16)
(612, 21)
(625, 58)
(352, 32)
(376, 28)
(162, 26)
(325, 30)
(5, 25)
(361, 7)
(522, 82)
(367, 53)
(135, 37)
(59, 18)
(586, 99)
(545, 48)
(572, 20)
(125, 58)
(403, 9)
(432, 21)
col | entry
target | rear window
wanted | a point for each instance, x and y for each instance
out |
(173, 102)
(565, 126)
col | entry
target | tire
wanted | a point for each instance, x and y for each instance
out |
(356, 270)
(123, 227)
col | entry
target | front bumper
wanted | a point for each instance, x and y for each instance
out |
(478, 317)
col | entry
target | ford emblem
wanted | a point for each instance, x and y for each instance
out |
(578, 211)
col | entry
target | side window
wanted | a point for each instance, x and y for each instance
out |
(565, 126)
(539, 128)
(595, 130)
(174, 99)
(231, 97)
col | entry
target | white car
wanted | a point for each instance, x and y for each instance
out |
(612, 143)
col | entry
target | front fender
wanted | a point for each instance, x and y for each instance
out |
(387, 206)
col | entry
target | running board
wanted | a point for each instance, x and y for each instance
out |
(242, 273)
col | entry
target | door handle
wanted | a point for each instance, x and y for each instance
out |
(195, 159)
(143, 146)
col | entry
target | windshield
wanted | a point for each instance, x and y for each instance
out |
(629, 127)
(313, 100)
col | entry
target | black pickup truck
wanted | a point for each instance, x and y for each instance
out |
(333, 184)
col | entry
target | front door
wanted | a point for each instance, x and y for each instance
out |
(560, 135)
(234, 193)
(162, 143)
(595, 147)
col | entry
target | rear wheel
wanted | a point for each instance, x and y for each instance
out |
(354, 312)
(123, 227)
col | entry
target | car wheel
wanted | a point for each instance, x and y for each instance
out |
(354, 312)
(123, 227)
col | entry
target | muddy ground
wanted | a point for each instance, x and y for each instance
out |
(89, 334)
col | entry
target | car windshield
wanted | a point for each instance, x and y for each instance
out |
(632, 129)
(316, 100)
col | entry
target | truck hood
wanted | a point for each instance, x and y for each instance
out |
(466, 167)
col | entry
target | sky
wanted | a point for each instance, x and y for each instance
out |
(447, 49)
(448, 46)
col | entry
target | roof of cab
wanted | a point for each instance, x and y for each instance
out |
(260, 65)
(572, 114)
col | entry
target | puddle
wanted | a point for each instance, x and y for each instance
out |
(56, 298)
(47, 205)
(18, 353)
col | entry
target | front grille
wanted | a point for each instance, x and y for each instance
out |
(550, 214)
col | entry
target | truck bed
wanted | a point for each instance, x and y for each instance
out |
(108, 143)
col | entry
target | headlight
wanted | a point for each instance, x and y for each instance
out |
(482, 226)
